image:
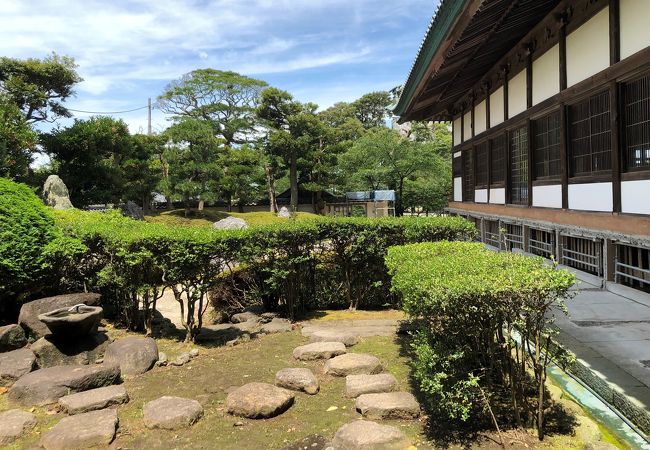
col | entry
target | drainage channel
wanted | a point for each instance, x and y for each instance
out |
(612, 420)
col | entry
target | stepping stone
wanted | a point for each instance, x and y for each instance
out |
(91, 429)
(388, 405)
(356, 385)
(366, 435)
(277, 325)
(12, 337)
(14, 423)
(15, 364)
(259, 401)
(352, 364)
(348, 338)
(172, 413)
(46, 386)
(245, 317)
(94, 399)
(135, 355)
(319, 350)
(300, 379)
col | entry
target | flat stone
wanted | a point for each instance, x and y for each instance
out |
(352, 364)
(277, 325)
(356, 385)
(388, 405)
(244, 317)
(299, 379)
(53, 351)
(366, 435)
(221, 333)
(29, 312)
(134, 355)
(183, 358)
(91, 429)
(14, 423)
(348, 338)
(47, 386)
(259, 401)
(94, 399)
(12, 337)
(15, 364)
(311, 442)
(172, 413)
(319, 350)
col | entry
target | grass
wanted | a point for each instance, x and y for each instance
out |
(208, 216)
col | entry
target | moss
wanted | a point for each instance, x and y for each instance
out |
(208, 216)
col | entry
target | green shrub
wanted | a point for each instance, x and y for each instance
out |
(486, 325)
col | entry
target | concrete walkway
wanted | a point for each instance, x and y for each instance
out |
(609, 331)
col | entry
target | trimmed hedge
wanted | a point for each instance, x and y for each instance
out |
(485, 326)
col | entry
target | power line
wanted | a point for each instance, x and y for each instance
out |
(108, 112)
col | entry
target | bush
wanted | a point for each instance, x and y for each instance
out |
(485, 325)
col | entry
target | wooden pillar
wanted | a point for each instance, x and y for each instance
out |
(529, 76)
(529, 133)
(507, 178)
(614, 32)
(609, 259)
(505, 93)
(472, 117)
(615, 123)
(564, 156)
(489, 168)
(487, 106)
(562, 50)
(462, 124)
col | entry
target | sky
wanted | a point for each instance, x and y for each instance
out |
(323, 51)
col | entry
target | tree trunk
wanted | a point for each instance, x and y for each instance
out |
(399, 210)
(270, 186)
(293, 179)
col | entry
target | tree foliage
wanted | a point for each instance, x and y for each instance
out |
(17, 141)
(372, 109)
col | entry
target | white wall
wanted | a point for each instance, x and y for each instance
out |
(498, 196)
(517, 94)
(634, 16)
(591, 197)
(587, 48)
(458, 189)
(635, 197)
(546, 75)
(481, 195)
(547, 196)
(456, 127)
(480, 118)
(496, 107)
(467, 123)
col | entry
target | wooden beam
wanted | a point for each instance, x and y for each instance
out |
(615, 122)
(462, 125)
(614, 32)
(487, 108)
(489, 167)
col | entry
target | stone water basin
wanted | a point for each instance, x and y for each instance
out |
(79, 320)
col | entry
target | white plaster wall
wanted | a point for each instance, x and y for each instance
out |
(635, 36)
(458, 154)
(458, 189)
(467, 124)
(481, 195)
(587, 48)
(591, 197)
(635, 197)
(547, 196)
(456, 127)
(480, 118)
(498, 196)
(546, 75)
(517, 94)
(496, 107)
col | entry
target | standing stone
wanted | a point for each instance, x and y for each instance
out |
(319, 350)
(388, 405)
(55, 193)
(356, 385)
(284, 213)
(14, 423)
(54, 351)
(259, 401)
(29, 312)
(91, 429)
(352, 364)
(134, 355)
(299, 379)
(15, 364)
(172, 413)
(230, 223)
(366, 435)
(94, 399)
(46, 386)
(12, 337)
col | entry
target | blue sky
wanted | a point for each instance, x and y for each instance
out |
(322, 51)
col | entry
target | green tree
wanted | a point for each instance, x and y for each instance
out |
(39, 87)
(372, 109)
(142, 169)
(243, 175)
(17, 141)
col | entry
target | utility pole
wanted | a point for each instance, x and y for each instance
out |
(149, 116)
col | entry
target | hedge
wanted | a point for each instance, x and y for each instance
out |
(485, 326)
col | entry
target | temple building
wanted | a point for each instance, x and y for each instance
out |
(550, 105)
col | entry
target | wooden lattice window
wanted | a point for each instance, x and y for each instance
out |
(468, 175)
(590, 135)
(482, 154)
(498, 159)
(457, 167)
(546, 146)
(519, 166)
(637, 123)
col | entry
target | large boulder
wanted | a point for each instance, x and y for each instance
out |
(134, 355)
(352, 364)
(259, 401)
(230, 223)
(12, 337)
(14, 423)
(171, 413)
(91, 429)
(388, 405)
(131, 210)
(298, 379)
(319, 350)
(356, 385)
(55, 193)
(29, 312)
(94, 399)
(53, 351)
(366, 435)
(15, 364)
(46, 386)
